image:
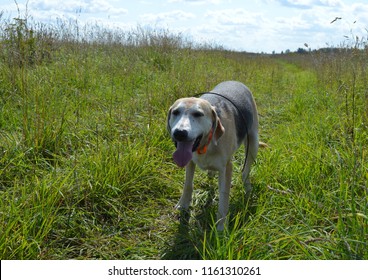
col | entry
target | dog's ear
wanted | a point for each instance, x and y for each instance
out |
(168, 120)
(217, 126)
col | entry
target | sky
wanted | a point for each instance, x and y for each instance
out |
(240, 25)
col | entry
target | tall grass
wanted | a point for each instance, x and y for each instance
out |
(86, 169)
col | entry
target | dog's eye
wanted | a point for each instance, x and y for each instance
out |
(198, 114)
(175, 112)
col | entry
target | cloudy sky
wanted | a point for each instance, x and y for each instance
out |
(254, 26)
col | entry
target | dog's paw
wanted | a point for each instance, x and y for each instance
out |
(182, 214)
(248, 187)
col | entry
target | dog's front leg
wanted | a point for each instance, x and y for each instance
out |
(186, 196)
(224, 193)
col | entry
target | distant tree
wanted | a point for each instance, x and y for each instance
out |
(301, 50)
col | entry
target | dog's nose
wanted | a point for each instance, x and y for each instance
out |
(180, 135)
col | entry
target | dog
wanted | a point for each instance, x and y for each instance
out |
(207, 131)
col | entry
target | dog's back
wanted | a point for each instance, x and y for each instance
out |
(234, 97)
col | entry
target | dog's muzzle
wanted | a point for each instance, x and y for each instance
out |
(182, 136)
(184, 147)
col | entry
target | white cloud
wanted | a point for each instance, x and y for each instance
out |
(331, 3)
(81, 6)
(309, 4)
(166, 18)
(197, 2)
(300, 4)
(240, 28)
(235, 17)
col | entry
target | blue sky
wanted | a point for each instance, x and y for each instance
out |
(254, 26)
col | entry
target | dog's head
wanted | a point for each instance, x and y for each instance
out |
(192, 123)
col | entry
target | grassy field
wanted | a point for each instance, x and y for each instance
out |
(86, 168)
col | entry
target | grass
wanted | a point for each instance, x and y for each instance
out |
(85, 159)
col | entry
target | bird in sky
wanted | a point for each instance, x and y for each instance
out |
(336, 18)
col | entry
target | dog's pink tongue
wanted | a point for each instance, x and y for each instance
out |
(183, 153)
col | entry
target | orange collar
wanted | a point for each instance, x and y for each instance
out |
(203, 150)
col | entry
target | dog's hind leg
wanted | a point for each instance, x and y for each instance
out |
(251, 144)
(224, 194)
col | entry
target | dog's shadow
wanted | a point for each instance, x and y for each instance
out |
(191, 225)
(194, 225)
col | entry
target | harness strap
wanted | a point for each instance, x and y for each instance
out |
(203, 150)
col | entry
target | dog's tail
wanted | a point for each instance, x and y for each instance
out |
(263, 145)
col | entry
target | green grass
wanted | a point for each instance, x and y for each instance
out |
(85, 158)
